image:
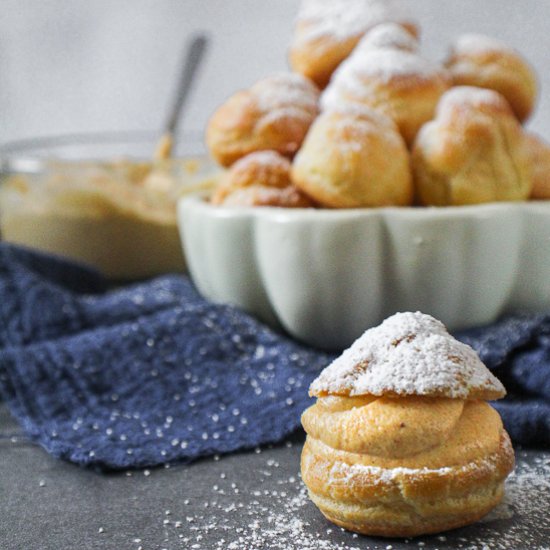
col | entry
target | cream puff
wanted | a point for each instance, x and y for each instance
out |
(539, 155)
(274, 114)
(354, 157)
(259, 179)
(477, 60)
(327, 31)
(473, 152)
(401, 441)
(396, 81)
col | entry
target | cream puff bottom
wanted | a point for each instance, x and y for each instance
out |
(450, 483)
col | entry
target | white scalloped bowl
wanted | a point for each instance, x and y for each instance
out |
(327, 275)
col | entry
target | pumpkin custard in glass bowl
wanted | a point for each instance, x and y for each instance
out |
(100, 200)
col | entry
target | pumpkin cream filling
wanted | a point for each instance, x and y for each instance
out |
(408, 432)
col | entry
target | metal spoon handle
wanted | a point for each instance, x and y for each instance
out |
(194, 53)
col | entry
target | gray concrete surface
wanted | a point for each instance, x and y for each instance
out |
(247, 501)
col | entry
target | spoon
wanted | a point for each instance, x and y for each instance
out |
(194, 53)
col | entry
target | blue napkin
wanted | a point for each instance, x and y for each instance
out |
(152, 373)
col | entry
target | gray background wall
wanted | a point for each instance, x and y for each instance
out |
(94, 65)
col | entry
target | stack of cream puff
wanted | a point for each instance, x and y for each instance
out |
(401, 441)
(386, 73)
(365, 120)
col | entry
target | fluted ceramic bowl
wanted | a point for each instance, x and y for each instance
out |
(327, 275)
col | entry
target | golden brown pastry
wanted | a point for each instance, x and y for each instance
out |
(397, 82)
(327, 31)
(259, 179)
(477, 60)
(354, 157)
(261, 195)
(401, 441)
(274, 114)
(473, 152)
(539, 154)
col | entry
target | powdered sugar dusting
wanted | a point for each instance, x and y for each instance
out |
(344, 473)
(342, 19)
(354, 76)
(469, 96)
(262, 195)
(386, 64)
(263, 159)
(388, 36)
(409, 354)
(477, 44)
(359, 112)
(286, 91)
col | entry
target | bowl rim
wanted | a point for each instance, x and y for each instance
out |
(197, 201)
(28, 144)
(28, 155)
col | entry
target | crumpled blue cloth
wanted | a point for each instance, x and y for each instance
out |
(153, 373)
(517, 350)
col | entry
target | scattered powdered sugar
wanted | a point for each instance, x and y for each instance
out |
(388, 36)
(342, 19)
(523, 487)
(521, 520)
(270, 514)
(476, 44)
(408, 354)
(275, 513)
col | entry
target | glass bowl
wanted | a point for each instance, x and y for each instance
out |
(100, 199)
